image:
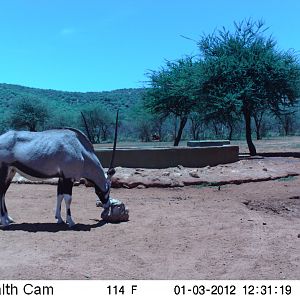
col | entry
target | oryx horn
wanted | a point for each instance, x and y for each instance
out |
(111, 166)
(86, 127)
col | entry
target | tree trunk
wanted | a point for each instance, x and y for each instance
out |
(160, 133)
(258, 122)
(215, 125)
(159, 128)
(251, 146)
(257, 125)
(104, 129)
(175, 127)
(197, 134)
(287, 124)
(230, 133)
(183, 121)
(32, 127)
(195, 128)
(258, 137)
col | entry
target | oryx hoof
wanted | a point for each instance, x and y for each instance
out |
(59, 221)
(70, 223)
(4, 221)
(58, 218)
(10, 220)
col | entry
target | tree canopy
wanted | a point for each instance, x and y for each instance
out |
(245, 72)
(97, 122)
(30, 115)
(175, 90)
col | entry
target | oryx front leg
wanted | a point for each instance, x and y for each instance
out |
(68, 200)
(64, 191)
(3, 212)
(7, 219)
(58, 209)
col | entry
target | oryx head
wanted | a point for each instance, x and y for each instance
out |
(104, 195)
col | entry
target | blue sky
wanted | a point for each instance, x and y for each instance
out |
(96, 45)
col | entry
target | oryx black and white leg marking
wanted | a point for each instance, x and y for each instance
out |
(6, 176)
(64, 191)
(60, 197)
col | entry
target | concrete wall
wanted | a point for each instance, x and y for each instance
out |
(169, 157)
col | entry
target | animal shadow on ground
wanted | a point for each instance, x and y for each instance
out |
(52, 227)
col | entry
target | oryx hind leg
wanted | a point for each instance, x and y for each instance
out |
(6, 176)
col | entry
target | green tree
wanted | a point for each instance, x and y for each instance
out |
(286, 120)
(196, 124)
(29, 113)
(258, 116)
(245, 72)
(174, 91)
(145, 123)
(62, 118)
(221, 111)
(99, 122)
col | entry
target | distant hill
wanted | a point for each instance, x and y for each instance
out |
(123, 99)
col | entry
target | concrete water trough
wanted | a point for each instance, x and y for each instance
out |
(164, 157)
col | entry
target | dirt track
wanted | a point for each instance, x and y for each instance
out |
(246, 231)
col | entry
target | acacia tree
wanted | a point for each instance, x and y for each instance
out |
(197, 121)
(174, 91)
(286, 119)
(97, 122)
(30, 114)
(246, 72)
(222, 111)
(258, 116)
(146, 124)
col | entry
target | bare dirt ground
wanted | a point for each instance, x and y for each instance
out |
(249, 230)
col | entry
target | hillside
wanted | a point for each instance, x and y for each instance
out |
(64, 111)
(124, 99)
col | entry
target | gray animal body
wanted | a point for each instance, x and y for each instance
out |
(66, 154)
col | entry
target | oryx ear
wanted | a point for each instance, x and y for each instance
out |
(111, 172)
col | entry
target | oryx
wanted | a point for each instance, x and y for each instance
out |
(66, 154)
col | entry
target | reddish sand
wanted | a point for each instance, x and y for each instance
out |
(245, 231)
